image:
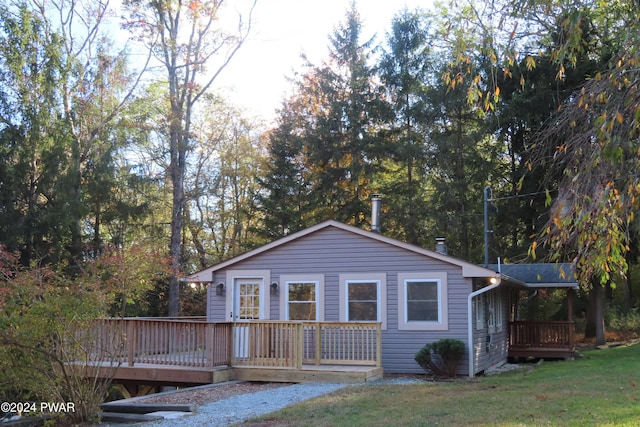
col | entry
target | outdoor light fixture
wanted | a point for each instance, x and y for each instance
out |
(493, 280)
(274, 288)
(220, 289)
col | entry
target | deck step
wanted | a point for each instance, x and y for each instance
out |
(145, 408)
(119, 417)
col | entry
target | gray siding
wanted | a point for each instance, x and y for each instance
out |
(491, 346)
(332, 251)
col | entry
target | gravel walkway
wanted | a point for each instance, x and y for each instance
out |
(239, 408)
(235, 409)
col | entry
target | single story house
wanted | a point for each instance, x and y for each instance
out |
(332, 272)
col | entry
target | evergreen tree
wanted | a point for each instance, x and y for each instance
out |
(33, 140)
(62, 90)
(406, 70)
(337, 115)
(461, 158)
(284, 199)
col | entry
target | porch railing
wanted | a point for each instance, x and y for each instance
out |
(173, 342)
(342, 343)
(197, 343)
(292, 344)
(541, 334)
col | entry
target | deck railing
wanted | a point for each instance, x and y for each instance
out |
(173, 342)
(292, 344)
(266, 344)
(342, 343)
(197, 343)
(541, 334)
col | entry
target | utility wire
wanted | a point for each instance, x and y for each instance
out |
(520, 195)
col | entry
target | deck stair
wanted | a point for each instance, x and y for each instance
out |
(121, 412)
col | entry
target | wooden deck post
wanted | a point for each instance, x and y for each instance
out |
(299, 352)
(318, 331)
(379, 345)
(571, 297)
(209, 343)
(571, 294)
(231, 342)
(131, 341)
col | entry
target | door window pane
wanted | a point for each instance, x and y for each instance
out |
(249, 301)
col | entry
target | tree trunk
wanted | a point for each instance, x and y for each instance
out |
(628, 283)
(595, 314)
(177, 180)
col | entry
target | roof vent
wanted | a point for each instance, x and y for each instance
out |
(441, 246)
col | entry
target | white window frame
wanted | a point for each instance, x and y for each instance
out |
(381, 293)
(442, 324)
(318, 279)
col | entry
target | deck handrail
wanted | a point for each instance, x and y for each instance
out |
(343, 343)
(175, 342)
(198, 343)
(541, 334)
(293, 343)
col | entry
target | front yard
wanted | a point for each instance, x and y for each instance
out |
(600, 388)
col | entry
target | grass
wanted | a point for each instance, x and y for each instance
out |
(602, 388)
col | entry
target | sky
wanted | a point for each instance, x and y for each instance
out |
(256, 78)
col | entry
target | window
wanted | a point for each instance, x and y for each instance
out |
(362, 300)
(363, 297)
(479, 309)
(494, 308)
(422, 301)
(302, 297)
(301, 300)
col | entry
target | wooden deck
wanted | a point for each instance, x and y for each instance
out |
(541, 339)
(193, 351)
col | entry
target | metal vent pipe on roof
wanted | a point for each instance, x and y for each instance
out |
(376, 201)
(441, 246)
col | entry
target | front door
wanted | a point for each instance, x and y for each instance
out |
(248, 305)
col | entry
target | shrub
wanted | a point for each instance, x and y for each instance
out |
(441, 357)
(624, 321)
(47, 342)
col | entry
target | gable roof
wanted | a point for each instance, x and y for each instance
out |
(468, 269)
(540, 275)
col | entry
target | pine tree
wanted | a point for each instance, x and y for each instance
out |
(331, 131)
(405, 69)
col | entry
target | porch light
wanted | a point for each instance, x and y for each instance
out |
(220, 289)
(274, 288)
(493, 280)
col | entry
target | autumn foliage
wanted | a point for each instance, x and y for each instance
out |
(44, 318)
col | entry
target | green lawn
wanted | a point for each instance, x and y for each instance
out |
(602, 388)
